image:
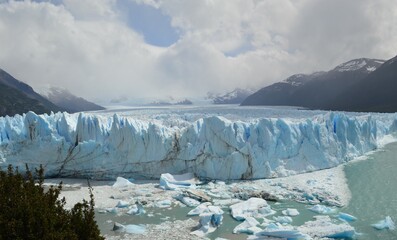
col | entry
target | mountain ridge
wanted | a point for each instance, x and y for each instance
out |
(317, 90)
(18, 97)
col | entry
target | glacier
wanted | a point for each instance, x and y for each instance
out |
(212, 147)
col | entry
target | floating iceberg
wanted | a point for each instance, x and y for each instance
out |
(209, 221)
(199, 209)
(122, 182)
(102, 147)
(290, 212)
(163, 203)
(322, 209)
(190, 202)
(122, 204)
(281, 233)
(347, 217)
(136, 209)
(253, 207)
(172, 182)
(249, 226)
(324, 227)
(283, 219)
(387, 223)
(131, 228)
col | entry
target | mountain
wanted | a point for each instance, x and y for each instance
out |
(236, 96)
(170, 103)
(17, 97)
(374, 93)
(316, 90)
(71, 103)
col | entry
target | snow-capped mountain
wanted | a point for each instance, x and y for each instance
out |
(362, 64)
(374, 93)
(236, 96)
(315, 90)
(69, 102)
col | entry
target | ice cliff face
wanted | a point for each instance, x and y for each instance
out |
(71, 145)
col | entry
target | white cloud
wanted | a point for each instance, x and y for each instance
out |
(86, 47)
(91, 10)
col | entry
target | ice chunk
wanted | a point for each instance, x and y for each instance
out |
(322, 209)
(209, 221)
(281, 233)
(283, 219)
(172, 182)
(131, 228)
(387, 223)
(323, 227)
(122, 182)
(290, 212)
(190, 202)
(199, 209)
(163, 203)
(249, 226)
(122, 204)
(111, 210)
(136, 209)
(253, 207)
(346, 217)
(135, 229)
(217, 215)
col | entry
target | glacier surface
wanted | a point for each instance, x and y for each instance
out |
(104, 147)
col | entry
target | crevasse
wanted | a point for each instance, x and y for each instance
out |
(95, 146)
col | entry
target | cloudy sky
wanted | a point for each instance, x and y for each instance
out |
(103, 49)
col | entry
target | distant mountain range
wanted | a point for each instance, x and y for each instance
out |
(168, 103)
(236, 96)
(66, 100)
(358, 85)
(17, 97)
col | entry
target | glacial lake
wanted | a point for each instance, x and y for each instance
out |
(372, 183)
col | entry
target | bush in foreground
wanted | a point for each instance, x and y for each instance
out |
(28, 211)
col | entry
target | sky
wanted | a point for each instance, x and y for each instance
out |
(105, 49)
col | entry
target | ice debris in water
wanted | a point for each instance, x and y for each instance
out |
(249, 226)
(290, 212)
(210, 220)
(199, 209)
(136, 209)
(131, 228)
(283, 219)
(324, 227)
(122, 182)
(122, 204)
(347, 217)
(253, 207)
(386, 223)
(172, 182)
(322, 209)
(190, 202)
(279, 232)
(166, 203)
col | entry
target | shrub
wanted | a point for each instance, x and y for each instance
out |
(28, 211)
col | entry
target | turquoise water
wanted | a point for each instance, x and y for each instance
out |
(372, 183)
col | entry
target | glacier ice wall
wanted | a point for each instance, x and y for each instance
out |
(100, 147)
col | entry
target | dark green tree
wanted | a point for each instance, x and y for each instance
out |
(29, 211)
